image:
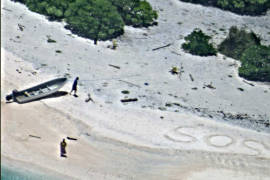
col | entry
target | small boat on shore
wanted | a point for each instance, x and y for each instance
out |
(39, 91)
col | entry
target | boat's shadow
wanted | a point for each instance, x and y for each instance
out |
(54, 95)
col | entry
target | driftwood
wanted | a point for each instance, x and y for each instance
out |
(161, 47)
(70, 138)
(132, 84)
(210, 86)
(248, 83)
(7, 9)
(176, 53)
(34, 136)
(129, 100)
(117, 67)
(191, 78)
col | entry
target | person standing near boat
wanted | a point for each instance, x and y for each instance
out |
(74, 86)
(63, 151)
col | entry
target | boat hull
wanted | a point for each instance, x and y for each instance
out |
(39, 91)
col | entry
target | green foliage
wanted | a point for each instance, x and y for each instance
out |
(198, 44)
(96, 19)
(243, 7)
(135, 12)
(54, 9)
(255, 63)
(237, 42)
(246, 47)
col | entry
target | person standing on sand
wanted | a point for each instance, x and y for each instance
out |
(74, 86)
(63, 151)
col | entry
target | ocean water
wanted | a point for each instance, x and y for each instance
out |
(8, 173)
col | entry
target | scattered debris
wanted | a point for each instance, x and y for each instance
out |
(177, 71)
(7, 9)
(21, 27)
(70, 138)
(241, 89)
(168, 105)
(49, 40)
(131, 84)
(117, 67)
(34, 136)
(162, 108)
(18, 71)
(33, 72)
(89, 98)
(114, 42)
(233, 64)
(167, 45)
(176, 53)
(248, 83)
(129, 100)
(191, 77)
(209, 86)
(125, 92)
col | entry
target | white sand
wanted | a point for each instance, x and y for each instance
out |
(135, 140)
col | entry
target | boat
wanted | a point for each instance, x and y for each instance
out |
(37, 92)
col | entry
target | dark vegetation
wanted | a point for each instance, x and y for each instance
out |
(242, 7)
(246, 47)
(239, 44)
(96, 19)
(197, 43)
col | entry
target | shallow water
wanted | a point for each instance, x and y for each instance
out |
(8, 173)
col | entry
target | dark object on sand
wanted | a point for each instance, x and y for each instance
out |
(63, 146)
(161, 47)
(39, 91)
(129, 100)
(89, 98)
(114, 66)
(70, 138)
(34, 136)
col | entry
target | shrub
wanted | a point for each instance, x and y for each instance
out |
(96, 19)
(198, 44)
(242, 7)
(135, 12)
(237, 42)
(255, 63)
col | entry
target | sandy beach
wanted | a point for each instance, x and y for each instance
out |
(178, 129)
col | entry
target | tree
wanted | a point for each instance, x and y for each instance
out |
(95, 19)
(197, 43)
(237, 42)
(135, 12)
(255, 63)
(242, 7)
